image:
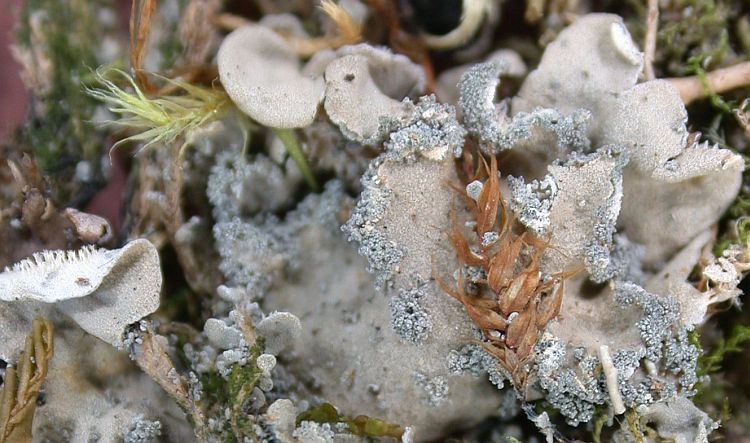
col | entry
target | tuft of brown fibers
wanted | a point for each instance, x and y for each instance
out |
(513, 303)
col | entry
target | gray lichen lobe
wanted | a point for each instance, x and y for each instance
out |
(680, 420)
(258, 250)
(573, 388)
(312, 432)
(497, 132)
(574, 384)
(659, 314)
(581, 215)
(238, 187)
(603, 261)
(382, 255)
(431, 132)
(253, 253)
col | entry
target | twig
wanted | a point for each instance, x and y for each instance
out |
(649, 45)
(23, 383)
(348, 31)
(610, 377)
(154, 361)
(715, 82)
(140, 27)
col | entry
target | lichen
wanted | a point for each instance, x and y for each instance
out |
(497, 132)
(435, 388)
(310, 431)
(659, 314)
(532, 202)
(432, 131)
(574, 390)
(408, 317)
(142, 430)
(476, 361)
(253, 254)
(238, 187)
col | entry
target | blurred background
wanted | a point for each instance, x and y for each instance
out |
(13, 98)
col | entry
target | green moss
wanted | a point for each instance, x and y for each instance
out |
(158, 121)
(687, 28)
(710, 362)
(693, 28)
(696, 65)
(58, 132)
(220, 395)
(601, 415)
(361, 425)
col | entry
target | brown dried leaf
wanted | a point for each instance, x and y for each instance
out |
(461, 245)
(503, 263)
(520, 326)
(550, 305)
(486, 319)
(527, 292)
(506, 297)
(489, 201)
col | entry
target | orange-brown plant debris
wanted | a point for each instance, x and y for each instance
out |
(512, 303)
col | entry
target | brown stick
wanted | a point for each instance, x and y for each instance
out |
(229, 22)
(140, 27)
(649, 45)
(719, 81)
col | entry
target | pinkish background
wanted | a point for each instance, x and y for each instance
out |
(13, 98)
(14, 101)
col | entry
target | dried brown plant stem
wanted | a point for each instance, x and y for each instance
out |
(155, 362)
(649, 45)
(22, 384)
(161, 220)
(718, 81)
(197, 33)
(229, 22)
(348, 31)
(174, 219)
(140, 27)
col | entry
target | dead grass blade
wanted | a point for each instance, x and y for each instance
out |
(140, 27)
